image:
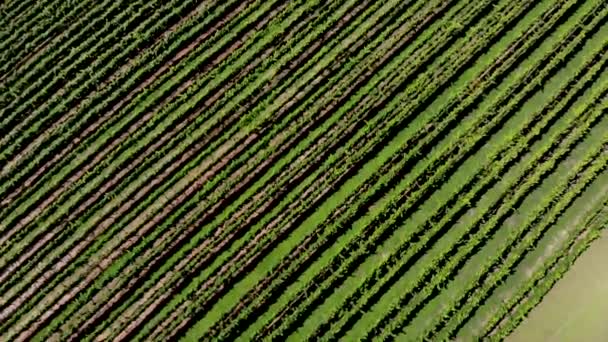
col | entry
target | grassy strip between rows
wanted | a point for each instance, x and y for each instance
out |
(363, 296)
(308, 295)
(346, 126)
(96, 311)
(453, 321)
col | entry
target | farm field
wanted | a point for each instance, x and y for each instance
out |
(300, 170)
(583, 323)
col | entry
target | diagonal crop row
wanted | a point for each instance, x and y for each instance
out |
(72, 183)
(488, 82)
(50, 98)
(71, 43)
(169, 240)
(79, 316)
(18, 12)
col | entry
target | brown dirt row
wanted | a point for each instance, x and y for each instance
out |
(216, 249)
(99, 156)
(93, 128)
(140, 158)
(105, 84)
(25, 41)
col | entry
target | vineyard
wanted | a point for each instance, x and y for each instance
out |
(295, 170)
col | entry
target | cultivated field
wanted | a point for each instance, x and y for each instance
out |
(295, 170)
